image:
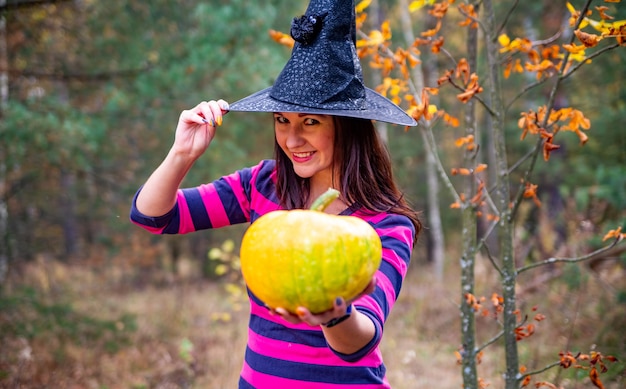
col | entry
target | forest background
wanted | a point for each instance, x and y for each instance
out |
(91, 92)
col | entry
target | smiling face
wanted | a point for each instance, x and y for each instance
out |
(308, 141)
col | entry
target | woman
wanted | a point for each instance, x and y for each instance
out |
(324, 137)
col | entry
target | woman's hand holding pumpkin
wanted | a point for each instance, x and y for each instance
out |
(340, 306)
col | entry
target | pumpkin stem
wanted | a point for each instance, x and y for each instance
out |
(324, 200)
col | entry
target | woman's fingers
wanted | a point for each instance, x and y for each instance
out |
(212, 112)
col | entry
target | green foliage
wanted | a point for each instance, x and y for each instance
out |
(26, 314)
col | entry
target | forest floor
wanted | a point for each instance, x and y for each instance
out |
(116, 326)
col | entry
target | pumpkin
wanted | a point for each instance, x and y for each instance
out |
(308, 258)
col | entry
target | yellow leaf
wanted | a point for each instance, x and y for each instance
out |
(228, 246)
(416, 5)
(215, 253)
(221, 269)
(362, 5)
(504, 40)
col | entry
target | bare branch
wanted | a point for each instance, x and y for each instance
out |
(506, 20)
(489, 342)
(572, 260)
(597, 53)
(539, 371)
(521, 161)
(520, 192)
(482, 244)
(427, 134)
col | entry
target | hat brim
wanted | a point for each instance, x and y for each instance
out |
(377, 108)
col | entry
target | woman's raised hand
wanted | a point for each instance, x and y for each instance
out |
(196, 127)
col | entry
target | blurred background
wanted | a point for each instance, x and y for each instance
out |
(90, 94)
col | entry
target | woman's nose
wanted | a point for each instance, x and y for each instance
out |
(294, 138)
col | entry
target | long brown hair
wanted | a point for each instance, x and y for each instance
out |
(365, 173)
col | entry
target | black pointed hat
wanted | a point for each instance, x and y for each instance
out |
(323, 75)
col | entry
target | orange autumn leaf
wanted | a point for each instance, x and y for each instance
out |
(432, 32)
(463, 70)
(445, 77)
(549, 147)
(589, 40)
(436, 45)
(550, 52)
(545, 383)
(492, 218)
(595, 378)
(477, 199)
(526, 381)
(513, 67)
(479, 357)
(422, 109)
(360, 19)
(528, 123)
(458, 357)
(460, 171)
(497, 300)
(602, 11)
(576, 122)
(545, 66)
(574, 48)
(451, 120)
(472, 89)
(471, 16)
(480, 168)
(439, 10)
(567, 359)
(460, 142)
(530, 192)
(282, 38)
(616, 233)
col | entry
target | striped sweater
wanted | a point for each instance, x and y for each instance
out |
(280, 354)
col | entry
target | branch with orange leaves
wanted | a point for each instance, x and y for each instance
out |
(475, 96)
(551, 101)
(580, 64)
(426, 125)
(617, 239)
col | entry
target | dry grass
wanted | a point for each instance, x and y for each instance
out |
(172, 313)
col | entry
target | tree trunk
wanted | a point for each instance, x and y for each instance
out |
(469, 237)
(435, 227)
(4, 98)
(502, 197)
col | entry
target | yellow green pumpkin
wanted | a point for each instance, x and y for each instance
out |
(309, 258)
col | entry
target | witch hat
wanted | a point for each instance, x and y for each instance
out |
(323, 75)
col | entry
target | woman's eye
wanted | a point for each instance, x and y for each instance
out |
(310, 121)
(281, 119)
